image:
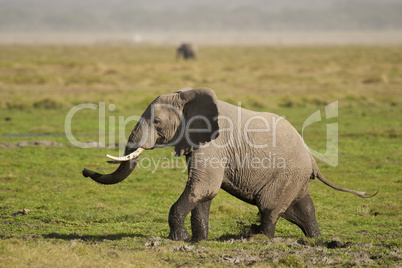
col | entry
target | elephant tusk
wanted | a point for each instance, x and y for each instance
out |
(134, 154)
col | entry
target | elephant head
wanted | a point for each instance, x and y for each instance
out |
(185, 119)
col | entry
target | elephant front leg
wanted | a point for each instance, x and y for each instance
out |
(200, 222)
(196, 198)
(199, 204)
(177, 214)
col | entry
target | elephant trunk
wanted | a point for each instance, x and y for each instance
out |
(125, 168)
(127, 162)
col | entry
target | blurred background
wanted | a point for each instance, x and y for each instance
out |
(202, 22)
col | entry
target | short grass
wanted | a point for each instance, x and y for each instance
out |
(76, 222)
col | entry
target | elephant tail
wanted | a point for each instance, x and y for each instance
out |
(336, 187)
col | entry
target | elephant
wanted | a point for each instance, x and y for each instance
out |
(259, 158)
(186, 50)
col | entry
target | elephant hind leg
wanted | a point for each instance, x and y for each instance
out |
(270, 212)
(302, 213)
(268, 222)
(274, 201)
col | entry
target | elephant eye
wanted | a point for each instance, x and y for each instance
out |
(156, 121)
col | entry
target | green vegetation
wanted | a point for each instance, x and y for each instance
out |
(76, 222)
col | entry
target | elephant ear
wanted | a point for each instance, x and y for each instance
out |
(200, 119)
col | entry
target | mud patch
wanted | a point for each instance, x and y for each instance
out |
(237, 256)
(153, 241)
(31, 143)
(24, 211)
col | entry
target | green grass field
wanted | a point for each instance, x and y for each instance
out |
(74, 222)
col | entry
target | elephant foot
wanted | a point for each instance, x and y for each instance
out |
(314, 232)
(269, 232)
(197, 239)
(179, 235)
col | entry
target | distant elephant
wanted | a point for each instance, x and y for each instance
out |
(257, 157)
(186, 50)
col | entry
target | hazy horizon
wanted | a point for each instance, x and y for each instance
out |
(261, 21)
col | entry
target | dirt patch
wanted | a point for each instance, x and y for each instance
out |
(237, 256)
(286, 252)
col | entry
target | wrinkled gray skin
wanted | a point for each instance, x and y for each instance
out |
(186, 50)
(278, 190)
